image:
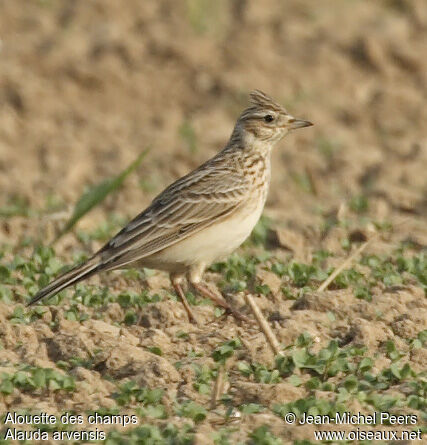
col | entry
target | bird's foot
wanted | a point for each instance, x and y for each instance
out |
(219, 300)
(192, 318)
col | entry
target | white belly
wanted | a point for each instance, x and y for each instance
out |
(210, 244)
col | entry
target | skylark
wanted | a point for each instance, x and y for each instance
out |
(204, 215)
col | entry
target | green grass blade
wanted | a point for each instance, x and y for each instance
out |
(97, 193)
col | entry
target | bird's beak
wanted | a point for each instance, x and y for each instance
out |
(298, 123)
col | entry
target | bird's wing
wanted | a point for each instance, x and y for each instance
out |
(201, 198)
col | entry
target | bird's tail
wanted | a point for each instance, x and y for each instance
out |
(69, 278)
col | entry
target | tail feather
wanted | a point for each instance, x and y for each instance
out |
(69, 278)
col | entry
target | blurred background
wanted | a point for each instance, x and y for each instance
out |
(86, 86)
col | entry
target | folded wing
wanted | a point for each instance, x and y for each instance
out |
(194, 202)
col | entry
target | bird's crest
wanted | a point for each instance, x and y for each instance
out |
(262, 100)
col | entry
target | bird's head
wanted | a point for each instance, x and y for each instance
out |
(265, 121)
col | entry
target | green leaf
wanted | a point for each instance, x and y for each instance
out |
(263, 436)
(244, 368)
(5, 294)
(157, 411)
(366, 364)
(359, 204)
(39, 378)
(4, 272)
(304, 339)
(392, 353)
(6, 386)
(68, 383)
(97, 193)
(54, 385)
(251, 408)
(202, 388)
(130, 318)
(295, 380)
(155, 350)
(300, 357)
(422, 337)
(191, 410)
(154, 396)
(20, 379)
(351, 383)
(363, 293)
(313, 383)
(226, 350)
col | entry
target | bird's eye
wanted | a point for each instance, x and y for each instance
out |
(268, 118)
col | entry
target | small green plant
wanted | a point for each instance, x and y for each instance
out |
(347, 278)
(17, 206)
(136, 299)
(192, 410)
(420, 340)
(226, 350)
(152, 434)
(222, 436)
(237, 271)
(251, 408)
(75, 314)
(97, 193)
(5, 294)
(300, 274)
(359, 204)
(33, 378)
(263, 436)
(204, 377)
(147, 401)
(260, 373)
(22, 316)
(259, 235)
(397, 269)
(155, 350)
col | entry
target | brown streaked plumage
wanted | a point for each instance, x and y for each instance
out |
(204, 215)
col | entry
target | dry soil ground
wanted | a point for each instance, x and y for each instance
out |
(85, 86)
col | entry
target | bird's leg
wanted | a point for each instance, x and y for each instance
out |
(220, 301)
(203, 289)
(194, 277)
(176, 282)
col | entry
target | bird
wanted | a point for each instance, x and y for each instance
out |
(203, 216)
